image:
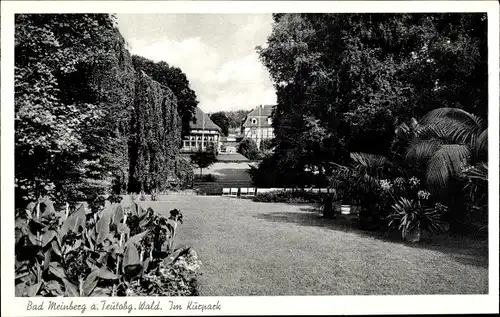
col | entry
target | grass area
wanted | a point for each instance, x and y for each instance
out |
(233, 157)
(227, 174)
(250, 248)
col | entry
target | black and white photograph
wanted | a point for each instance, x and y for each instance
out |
(164, 155)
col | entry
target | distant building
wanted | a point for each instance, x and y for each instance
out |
(230, 143)
(257, 124)
(203, 131)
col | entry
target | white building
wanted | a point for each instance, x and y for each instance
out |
(257, 124)
(203, 131)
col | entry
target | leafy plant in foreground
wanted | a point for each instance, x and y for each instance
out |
(97, 251)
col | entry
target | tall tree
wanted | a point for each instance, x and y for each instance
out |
(236, 117)
(204, 158)
(350, 79)
(220, 119)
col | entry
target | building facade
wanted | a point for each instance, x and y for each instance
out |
(258, 124)
(203, 131)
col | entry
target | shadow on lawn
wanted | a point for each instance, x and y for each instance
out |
(231, 174)
(463, 250)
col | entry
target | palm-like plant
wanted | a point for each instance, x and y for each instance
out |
(476, 187)
(446, 140)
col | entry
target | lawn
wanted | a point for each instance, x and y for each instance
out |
(250, 248)
(228, 174)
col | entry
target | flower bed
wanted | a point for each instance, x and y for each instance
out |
(101, 251)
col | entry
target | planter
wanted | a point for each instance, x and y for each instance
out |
(414, 236)
(349, 209)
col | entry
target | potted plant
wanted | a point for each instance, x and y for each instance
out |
(412, 218)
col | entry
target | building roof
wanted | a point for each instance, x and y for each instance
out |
(265, 111)
(261, 115)
(198, 125)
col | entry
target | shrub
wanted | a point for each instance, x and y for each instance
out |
(266, 145)
(248, 148)
(103, 251)
(410, 215)
(177, 279)
(296, 197)
(184, 172)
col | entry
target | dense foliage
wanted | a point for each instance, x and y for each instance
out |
(221, 120)
(72, 89)
(184, 173)
(176, 80)
(291, 197)
(345, 81)
(372, 83)
(155, 136)
(83, 113)
(236, 118)
(248, 148)
(443, 173)
(203, 158)
(103, 250)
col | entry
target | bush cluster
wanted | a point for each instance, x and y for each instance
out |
(291, 197)
(102, 250)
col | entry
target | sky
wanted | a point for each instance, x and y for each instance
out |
(215, 51)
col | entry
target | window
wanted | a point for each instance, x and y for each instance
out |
(254, 130)
(269, 120)
(254, 121)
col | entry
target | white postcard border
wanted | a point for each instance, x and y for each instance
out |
(255, 305)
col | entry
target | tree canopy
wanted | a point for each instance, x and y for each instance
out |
(345, 81)
(204, 158)
(220, 119)
(236, 117)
